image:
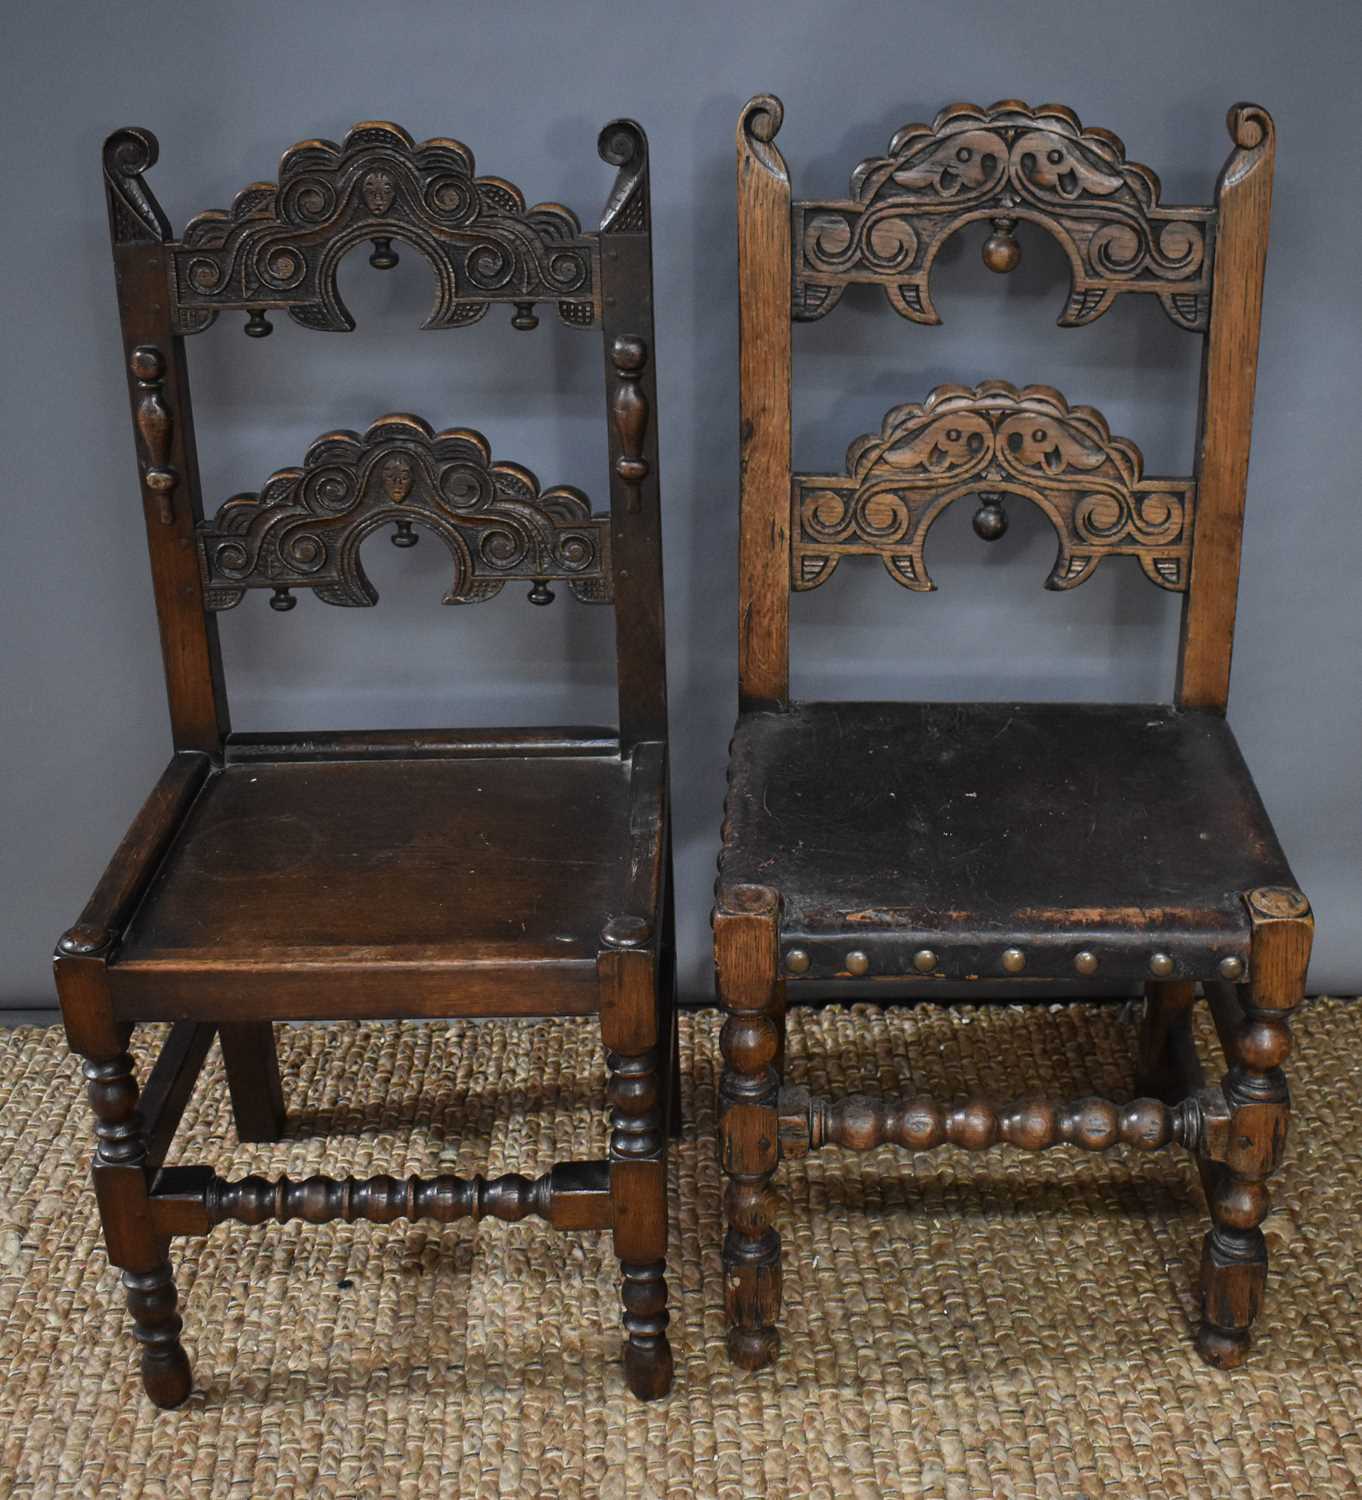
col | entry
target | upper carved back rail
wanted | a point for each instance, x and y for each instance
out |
(279, 248)
(1007, 165)
(281, 243)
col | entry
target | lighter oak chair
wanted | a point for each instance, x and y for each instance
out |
(876, 842)
(415, 873)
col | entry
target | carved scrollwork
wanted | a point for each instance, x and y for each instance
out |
(305, 529)
(281, 244)
(135, 217)
(992, 441)
(627, 211)
(1006, 164)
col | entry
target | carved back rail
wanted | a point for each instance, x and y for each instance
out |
(1008, 166)
(279, 248)
(992, 442)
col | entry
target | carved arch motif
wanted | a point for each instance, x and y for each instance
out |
(1009, 163)
(281, 244)
(992, 441)
(306, 527)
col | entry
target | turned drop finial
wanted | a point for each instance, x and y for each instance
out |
(1002, 253)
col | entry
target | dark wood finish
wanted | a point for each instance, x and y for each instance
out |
(876, 843)
(421, 744)
(280, 245)
(305, 529)
(152, 348)
(171, 1083)
(137, 858)
(626, 261)
(251, 1059)
(319, 862)
(387, 873)
(572, 1195)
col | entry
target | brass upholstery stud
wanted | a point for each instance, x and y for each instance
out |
(1014, 960)
(1160, 965)
(857, 962)
(797, 961)
(1231, 968)
(924, 960)
(1085, 961)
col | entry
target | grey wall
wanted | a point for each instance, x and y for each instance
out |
(228, 87)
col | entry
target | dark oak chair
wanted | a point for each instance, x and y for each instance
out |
(878, 842)
(313, 876)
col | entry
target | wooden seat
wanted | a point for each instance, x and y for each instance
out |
(883, 844)
(966, 829)
(468, 885)
(310, 876)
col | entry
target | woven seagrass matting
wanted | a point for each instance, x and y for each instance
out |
(956, 1325)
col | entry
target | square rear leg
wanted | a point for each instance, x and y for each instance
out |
(252, 1062)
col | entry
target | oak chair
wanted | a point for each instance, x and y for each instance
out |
(428, 873)
(877, 842)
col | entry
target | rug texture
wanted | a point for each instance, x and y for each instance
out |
(955, 1325)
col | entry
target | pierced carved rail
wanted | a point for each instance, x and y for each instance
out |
(861, 1122)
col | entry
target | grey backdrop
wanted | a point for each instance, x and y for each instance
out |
(228, 87)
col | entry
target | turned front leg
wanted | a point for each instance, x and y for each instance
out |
(634, 1030)
(746, 942)
(1253, 1026)
(120, 1163)
(121, 1189)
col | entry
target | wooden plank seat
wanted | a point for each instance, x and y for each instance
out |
(304, 888)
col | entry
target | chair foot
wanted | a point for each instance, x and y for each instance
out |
(753, 1348)
(752, 1294)
(1233, 1276)
(152, 1301)
(648, 1362)
(1224, 1348)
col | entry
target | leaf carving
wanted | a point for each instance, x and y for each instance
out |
(991, 442)
(1009, 164)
